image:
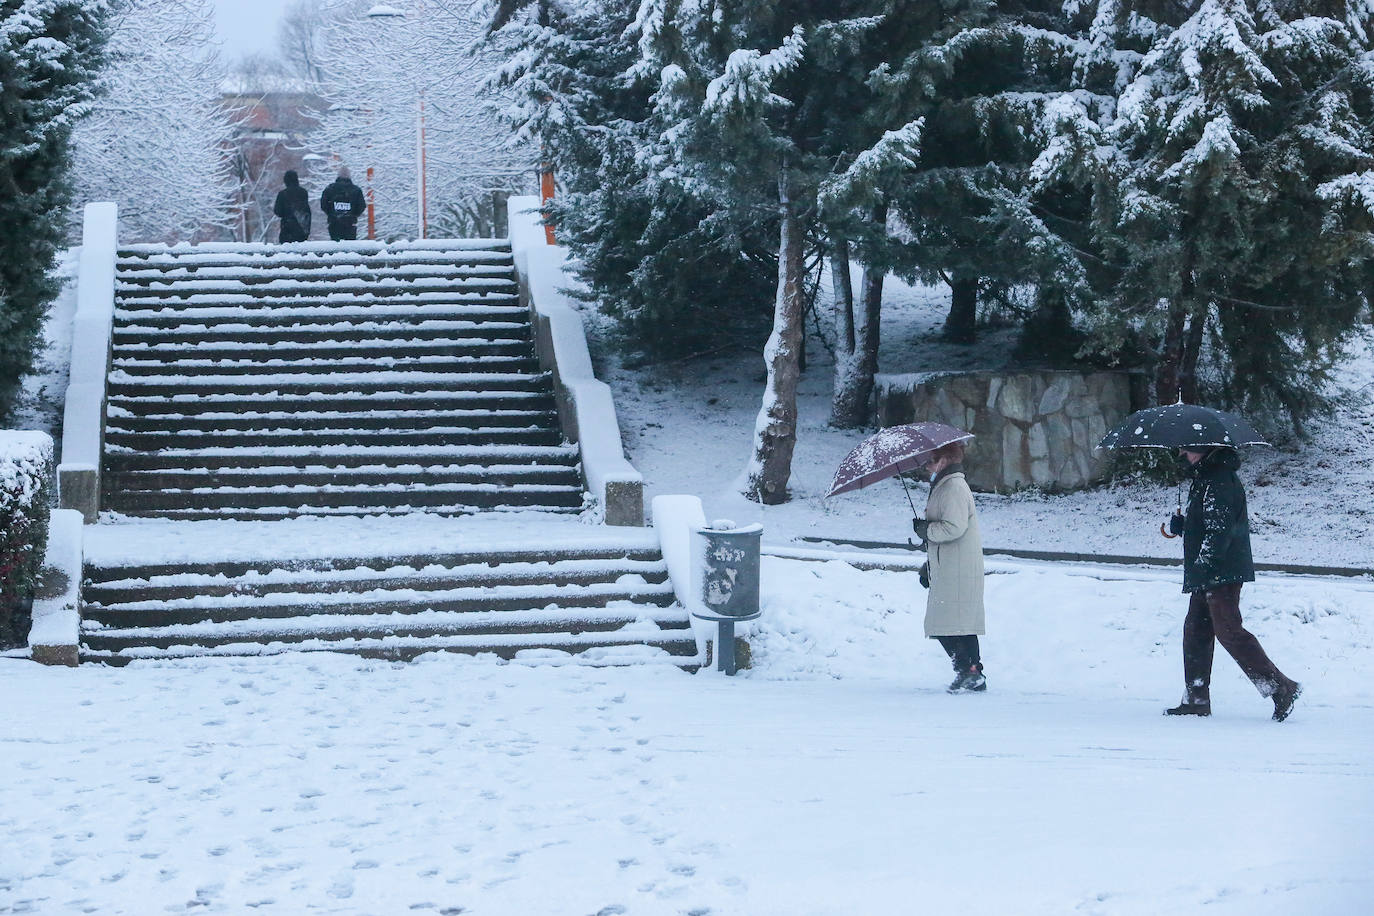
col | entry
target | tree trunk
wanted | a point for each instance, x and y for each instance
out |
(1169, 375)
(844, 412)
(961, 326)
(1192, 348)
(844, 295)
(1171, 357)
(856, 356)
(775, 432)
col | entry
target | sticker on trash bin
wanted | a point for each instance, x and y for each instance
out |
(721, 573)
(727, 581)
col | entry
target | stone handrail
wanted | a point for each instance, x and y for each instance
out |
(83, 419)
(585, 408)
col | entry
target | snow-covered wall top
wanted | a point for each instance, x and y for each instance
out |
(590, 412)
(95, 290)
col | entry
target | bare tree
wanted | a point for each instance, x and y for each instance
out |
(157, 141)
(299, 39)
(405, 81)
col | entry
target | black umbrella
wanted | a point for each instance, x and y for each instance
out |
(1181, 426)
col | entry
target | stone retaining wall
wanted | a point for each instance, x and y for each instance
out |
(1034, 428)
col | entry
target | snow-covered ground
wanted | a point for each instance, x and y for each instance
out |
(688, 427)
(39, 405)
(836, 777)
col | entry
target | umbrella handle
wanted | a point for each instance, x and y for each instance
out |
(1164, 532)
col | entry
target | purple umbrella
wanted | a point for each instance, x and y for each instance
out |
(890, 452)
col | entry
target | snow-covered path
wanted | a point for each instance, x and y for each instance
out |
(835, 778)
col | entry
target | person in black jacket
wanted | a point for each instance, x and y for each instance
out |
(1216, 561)
(293, 209)
(342, 203)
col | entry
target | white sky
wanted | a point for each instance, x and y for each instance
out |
(248, 25)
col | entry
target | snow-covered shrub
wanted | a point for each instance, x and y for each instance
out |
(26, 473)
(48, 54)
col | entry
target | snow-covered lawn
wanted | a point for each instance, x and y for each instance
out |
(688, 427)
(835, 778)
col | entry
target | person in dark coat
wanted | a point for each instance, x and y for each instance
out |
(293, 209)
(342, 203)
(1216, 562)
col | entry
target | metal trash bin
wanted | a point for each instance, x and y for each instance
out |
(725, 580)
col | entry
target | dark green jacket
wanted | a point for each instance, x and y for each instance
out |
(1216, 527)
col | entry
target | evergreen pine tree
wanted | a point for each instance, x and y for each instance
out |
(744, 112)
(49, 56)
(677, 274)
(1230, 183)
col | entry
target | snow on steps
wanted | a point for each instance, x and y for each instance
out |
(528, 587)
(256, 381)
(343, 448)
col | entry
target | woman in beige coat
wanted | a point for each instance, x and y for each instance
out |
(954, 606)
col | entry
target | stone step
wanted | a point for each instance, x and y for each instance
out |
(112, 595)
(255, 564)
(119, 484)
(674, 647)
(376, 362)
(263, 352)
(341, 609)
(469, 496)
(326, 333)
(510, 626)
(502, 312)
(343, 384)
(265, 302)
(367, 455)
(136, 274)
(443, 401)
(154, 441)
(266, 420)
(280, 513)
(238, 253)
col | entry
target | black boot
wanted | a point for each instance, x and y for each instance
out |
(1284, 698)
(969, 680)
(1197, 701)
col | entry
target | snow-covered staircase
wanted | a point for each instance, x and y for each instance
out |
(353, 448)
(544, 592)
(267, 382)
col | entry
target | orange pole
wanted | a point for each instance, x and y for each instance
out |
(546, 187)
(371, 207)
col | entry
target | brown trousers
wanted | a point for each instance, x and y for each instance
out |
(1214, 616)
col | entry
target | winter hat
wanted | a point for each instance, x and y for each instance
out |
(345, 173)
(292, 179)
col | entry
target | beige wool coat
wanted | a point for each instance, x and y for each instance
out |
(954, 604)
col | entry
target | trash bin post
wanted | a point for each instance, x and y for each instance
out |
(725, 581)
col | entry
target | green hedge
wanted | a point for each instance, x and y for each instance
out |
(26, 473)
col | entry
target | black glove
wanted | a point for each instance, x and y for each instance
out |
(921, 527)
(925, 574)
(1176, 524)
